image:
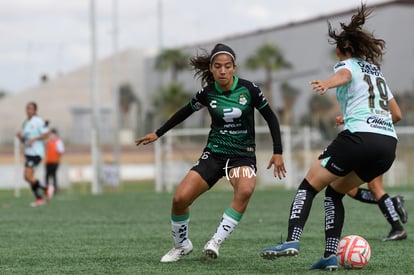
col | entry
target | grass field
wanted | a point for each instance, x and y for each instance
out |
(127, 232)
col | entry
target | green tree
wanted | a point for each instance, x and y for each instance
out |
(126, 98)
(270, 58)
(172, 97)
(172, 59)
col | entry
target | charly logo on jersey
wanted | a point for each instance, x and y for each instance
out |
(340, 64)
(213, 104)
(198, 106)
(195, 102)
(242, 99)
(261, 95)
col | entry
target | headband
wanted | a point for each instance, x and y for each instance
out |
(222, 52)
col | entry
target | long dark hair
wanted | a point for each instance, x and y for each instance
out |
(201, 66)
(201, 62)
(356, 41)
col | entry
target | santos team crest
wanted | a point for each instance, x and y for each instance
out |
(242, 100)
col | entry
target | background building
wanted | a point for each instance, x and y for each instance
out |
(305, 46)
(66, 100)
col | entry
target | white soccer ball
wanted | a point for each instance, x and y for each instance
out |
(354, 252)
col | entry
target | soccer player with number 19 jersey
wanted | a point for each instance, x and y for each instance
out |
(364, 150)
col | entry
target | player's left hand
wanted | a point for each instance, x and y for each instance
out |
(279, 169)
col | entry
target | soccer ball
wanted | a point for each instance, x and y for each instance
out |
(354, 252)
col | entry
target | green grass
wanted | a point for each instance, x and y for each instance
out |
(126, 231)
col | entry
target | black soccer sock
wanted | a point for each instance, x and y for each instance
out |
(299, 210)
(334, 220)
(365, 195)
(40, 185)
(35, 189)
(388, 210)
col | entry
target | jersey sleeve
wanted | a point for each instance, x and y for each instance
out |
(199, 100)
(41, 125)
(258, 98)
(346, 64)
(260, 102)
(176, 119)
(274, 128)
(389, 93)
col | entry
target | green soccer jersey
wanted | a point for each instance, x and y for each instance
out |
(232, 116)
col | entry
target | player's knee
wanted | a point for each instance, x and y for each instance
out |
(180, 202)
(27, 178)
(245, 193)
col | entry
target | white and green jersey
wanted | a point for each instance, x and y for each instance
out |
(364, 99)
(232, 116)
(33, 128)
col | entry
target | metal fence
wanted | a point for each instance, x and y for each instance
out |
(179, 149)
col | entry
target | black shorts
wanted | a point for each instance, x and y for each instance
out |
(32, 161)
(213, 167)
(368, 154)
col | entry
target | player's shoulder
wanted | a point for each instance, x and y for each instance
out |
(37, 119)
(351, 62)
(340, 65)
(251, 86)
(345, 63)
(206, 89)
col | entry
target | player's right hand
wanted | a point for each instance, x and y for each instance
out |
(339, 120)
(146, 139)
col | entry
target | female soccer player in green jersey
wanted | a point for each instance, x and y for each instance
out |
(230, 149)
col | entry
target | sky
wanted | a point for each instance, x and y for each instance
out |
(53, 37)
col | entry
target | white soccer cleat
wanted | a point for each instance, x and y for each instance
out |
(211, 249)
(177, 253)
(38, 202)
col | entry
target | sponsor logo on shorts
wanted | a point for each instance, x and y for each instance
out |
(238, 172)
(336, 167)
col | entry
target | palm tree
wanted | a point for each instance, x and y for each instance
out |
(126, 98)
(172, 59)
(289, 94)
(270, 58)
(170, 98)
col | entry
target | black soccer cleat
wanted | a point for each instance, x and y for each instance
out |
(395, 235)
